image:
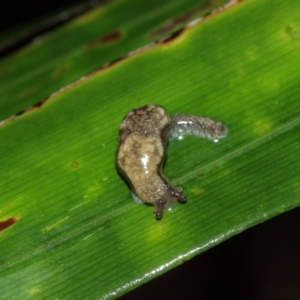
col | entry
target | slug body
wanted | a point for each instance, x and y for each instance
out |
(144, 135)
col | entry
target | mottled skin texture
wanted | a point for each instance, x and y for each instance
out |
(144, 135)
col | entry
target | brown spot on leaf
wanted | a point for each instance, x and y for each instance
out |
(21, 112)
(75, 164)
(172, 37)
(6, 223)
(109, 38)
(198, 191)
(110, 64)
(168, 26)
(39, 104)
(35, 106)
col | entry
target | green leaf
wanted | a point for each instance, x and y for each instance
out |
(87, 43)
(77, 234)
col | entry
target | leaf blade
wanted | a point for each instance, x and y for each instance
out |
(76, 222)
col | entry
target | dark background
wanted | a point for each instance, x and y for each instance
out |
(262, 263)
(14, 13)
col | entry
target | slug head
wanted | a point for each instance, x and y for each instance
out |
(171, 195)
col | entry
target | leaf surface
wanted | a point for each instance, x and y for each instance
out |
(76, 232)
(87, 43)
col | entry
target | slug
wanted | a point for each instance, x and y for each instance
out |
(143, 138)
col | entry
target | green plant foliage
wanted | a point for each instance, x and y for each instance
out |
(77, 234)
(85, 44)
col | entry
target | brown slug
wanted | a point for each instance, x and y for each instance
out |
(144, 135)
